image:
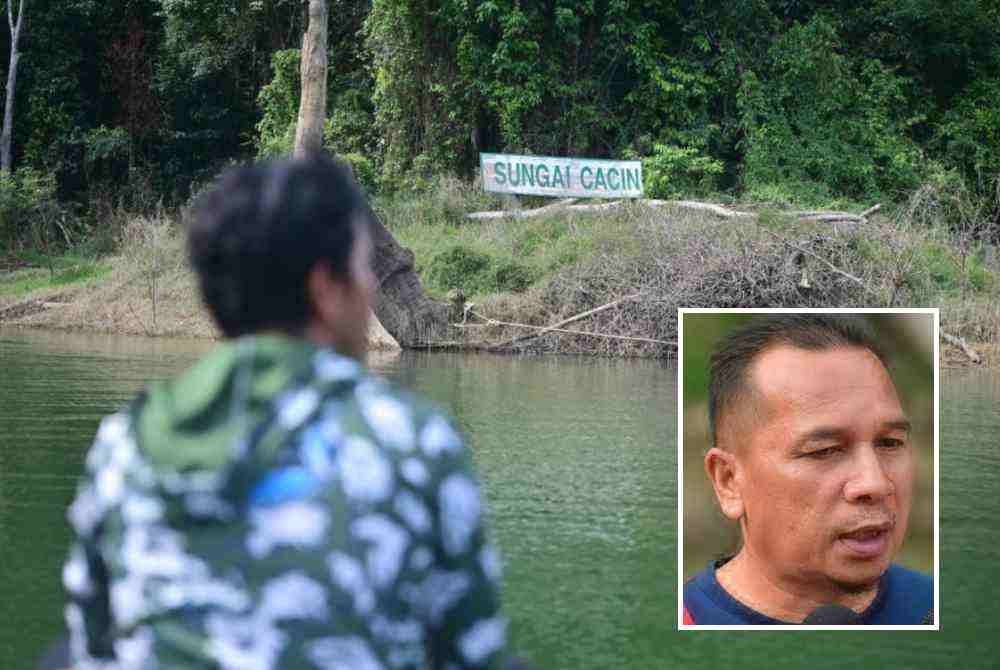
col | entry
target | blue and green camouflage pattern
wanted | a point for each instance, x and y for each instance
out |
(277, 506)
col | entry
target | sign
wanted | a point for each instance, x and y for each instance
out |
(561, 177)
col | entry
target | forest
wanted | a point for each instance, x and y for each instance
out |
(133, 102)
(129, 107)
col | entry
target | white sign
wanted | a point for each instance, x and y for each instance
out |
(561, 177)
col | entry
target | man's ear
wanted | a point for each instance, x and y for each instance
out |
(722, 469)
(326, 293)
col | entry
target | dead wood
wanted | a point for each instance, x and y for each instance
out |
(523, 213)
(564, 322)
(819, 216)
(963, 345)
(552, 329)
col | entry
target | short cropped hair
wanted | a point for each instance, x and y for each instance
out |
(256, 235)
(729, 382)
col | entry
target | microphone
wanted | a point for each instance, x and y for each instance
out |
(832, 614)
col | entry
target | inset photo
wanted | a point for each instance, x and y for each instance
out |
(808, 468)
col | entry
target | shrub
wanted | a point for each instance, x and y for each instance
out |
(363, 169)
(27, 207)
(279, 103)
(509, 275)
(459, 267)
(969, 135)
(819, 121)
(673, 171)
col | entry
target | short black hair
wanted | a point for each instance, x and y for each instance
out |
(257, 233)
(728, 378)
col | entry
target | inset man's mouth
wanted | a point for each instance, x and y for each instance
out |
(870, 541)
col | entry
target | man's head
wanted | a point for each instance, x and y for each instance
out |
(285, 246)
(811, 451)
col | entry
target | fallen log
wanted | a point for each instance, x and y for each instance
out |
(871, 210)
(522, 213)
(818, 216)
(718, 210)
(833, 217)
(963, 345)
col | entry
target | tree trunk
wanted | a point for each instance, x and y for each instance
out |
(403, 308)
(312, 104)
(8, 112)
(405, 311)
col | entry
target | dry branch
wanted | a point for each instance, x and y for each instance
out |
(871, 210)
(822, 260)
(963, 345)
(564, 322)
(551, 329)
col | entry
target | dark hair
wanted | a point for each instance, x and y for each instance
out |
(728, 373)
(257, 233)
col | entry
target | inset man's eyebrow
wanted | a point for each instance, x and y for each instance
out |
(898, 424)
(821, 433)
(833, 433)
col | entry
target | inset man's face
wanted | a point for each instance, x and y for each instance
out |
(827, 474)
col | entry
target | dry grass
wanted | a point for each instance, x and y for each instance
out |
(678, 258)
(150, 290)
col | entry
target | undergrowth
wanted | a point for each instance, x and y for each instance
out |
(35, 272)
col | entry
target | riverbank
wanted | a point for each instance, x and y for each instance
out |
(626, 270)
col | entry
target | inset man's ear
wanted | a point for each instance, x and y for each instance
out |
(723, 471)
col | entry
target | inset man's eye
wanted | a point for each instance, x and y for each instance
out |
(822, 453)
(891, 443)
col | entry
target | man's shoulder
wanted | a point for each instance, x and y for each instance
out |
(696, 597)
(911, 579)
(909, 597)
(707, 603)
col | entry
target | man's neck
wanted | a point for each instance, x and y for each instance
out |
(749, 582)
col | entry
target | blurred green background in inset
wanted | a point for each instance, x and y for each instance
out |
(908, 339)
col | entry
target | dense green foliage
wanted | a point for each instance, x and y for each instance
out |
(132, 103)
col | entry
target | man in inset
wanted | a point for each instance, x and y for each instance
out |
(811, 454)
(276, 506)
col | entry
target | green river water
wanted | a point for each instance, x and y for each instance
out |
(578, 459)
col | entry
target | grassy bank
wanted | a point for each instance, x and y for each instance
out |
(145, 288)
(542, 270)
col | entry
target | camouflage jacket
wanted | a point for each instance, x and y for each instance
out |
(278, 507)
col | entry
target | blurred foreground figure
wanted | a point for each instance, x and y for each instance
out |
(276, 506)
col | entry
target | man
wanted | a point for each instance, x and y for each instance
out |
(812, 457)
(276, 506)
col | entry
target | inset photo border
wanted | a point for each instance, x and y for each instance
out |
(850, 519)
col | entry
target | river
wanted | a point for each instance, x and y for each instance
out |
(578, 461)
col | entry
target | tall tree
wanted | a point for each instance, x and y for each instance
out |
(8, 112)
(404, 309)
(312, 105)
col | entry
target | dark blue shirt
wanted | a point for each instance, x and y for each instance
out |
(904, 597)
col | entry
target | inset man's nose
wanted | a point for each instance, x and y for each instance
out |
(868, 482)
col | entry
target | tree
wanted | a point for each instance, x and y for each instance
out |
(407, 313)
(8, 112)
(312, 105)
